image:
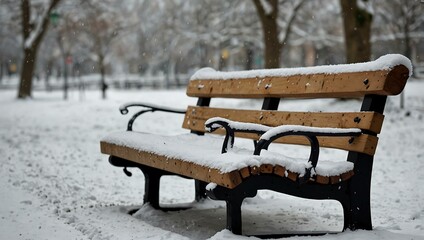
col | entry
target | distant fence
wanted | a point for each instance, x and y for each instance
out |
(419, 72)
(123, 81)
(161, 81)
(94, 82)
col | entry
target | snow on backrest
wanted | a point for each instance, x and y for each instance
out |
(384, 76)
(386, 62)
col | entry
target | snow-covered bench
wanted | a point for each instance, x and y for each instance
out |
(226, 172)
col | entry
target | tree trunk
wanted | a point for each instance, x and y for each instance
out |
(1, 71)
(65, 67)
(28, 66)
(270, 33)
(357, 31)
(272, 44)
(30, 48)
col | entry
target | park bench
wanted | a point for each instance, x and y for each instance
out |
(226, 172)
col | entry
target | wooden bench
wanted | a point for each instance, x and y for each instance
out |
(240, 173)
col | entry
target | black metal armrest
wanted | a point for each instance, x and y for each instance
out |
(311, 133)
(231, 127)
(147, 108)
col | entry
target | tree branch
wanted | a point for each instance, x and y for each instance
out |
(45, 21)
(290, 23)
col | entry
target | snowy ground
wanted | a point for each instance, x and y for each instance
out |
(55, 184)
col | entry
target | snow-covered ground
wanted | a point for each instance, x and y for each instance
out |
(55, 184)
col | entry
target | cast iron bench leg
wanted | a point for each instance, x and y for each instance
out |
(360, 192)
(234, 199)
(200, 190)
(234, 216)
(151, 189)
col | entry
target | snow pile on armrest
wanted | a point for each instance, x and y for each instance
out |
(243, 126)
(314, 130)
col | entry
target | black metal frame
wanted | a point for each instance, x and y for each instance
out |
(153, 175)
(150, 108)
(353, 194)
(229, 133)
(302, 188)
(151, 184)
(250, 186)
(360, 184)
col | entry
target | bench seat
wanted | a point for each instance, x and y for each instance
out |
(184, 153)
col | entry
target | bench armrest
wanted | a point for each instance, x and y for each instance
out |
(310, 133)
(147, 108)
(232, 127)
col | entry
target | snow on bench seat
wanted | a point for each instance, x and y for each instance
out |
(199, 157)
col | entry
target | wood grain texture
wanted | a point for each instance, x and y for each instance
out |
(371, 121)
(340, 85)
(196, 116)
(195, 171)
(228, 180)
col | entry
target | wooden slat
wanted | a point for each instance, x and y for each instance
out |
(341, 85)
(266, 168)
(280, 171)
(255, 170)
(229, 180)
(372, 121)
(196, 117)
(323, 180)
(345, 176)
(292, 176)
(364, 143)
(245, 172)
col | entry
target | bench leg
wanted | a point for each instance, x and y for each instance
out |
(346, 213)
(359, 210)
(234, 199)
(234, 216)
(152, 183)
(151, 187)
(200, 190)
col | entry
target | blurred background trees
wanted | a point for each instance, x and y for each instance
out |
(34, 22)
(357, 19)
(138, 43)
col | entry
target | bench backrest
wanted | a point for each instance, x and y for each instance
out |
(372, 81)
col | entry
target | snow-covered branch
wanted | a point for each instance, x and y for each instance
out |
(41, 23)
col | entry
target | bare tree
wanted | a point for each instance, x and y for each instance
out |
(102, 25)
(67, 33)
(357, 30)
(9, 40)
(268, 12)
(401, 20)
(32, 33)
